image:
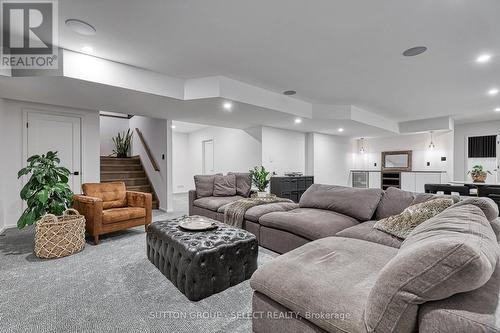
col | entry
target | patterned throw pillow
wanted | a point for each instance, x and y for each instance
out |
(402, 224)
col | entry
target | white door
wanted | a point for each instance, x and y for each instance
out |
(46, 132)
(208, 157)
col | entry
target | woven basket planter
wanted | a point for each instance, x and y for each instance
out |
(60, 236)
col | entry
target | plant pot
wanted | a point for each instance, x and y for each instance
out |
(261, 194)
(479, 178)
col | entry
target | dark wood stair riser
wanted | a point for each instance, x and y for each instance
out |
(120, 161)
(121, 167)
(129, 181)
(105, 175)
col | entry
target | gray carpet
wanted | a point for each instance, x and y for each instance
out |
(111, 287)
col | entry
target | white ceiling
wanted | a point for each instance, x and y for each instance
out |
(335, 52)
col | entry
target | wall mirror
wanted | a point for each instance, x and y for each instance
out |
(396, 160)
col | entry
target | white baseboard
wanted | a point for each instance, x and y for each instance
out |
(2, 229)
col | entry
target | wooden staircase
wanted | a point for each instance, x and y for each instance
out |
(130, 171)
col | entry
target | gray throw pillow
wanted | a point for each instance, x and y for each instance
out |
(204, 185)
(393, 202)
(402, 224)
(243, 183)
(224, 186)
(453, 252)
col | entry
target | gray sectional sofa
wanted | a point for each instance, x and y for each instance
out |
(323, 211)
(339, 274)
(444, 277)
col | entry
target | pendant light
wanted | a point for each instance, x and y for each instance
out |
(431, 144)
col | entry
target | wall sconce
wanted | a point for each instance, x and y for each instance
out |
(431, 144)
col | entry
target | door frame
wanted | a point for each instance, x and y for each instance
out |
(203, 154)
(25, 156)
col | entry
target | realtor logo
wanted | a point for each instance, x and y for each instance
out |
(29, 34)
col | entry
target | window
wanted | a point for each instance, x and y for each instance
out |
(482, 146)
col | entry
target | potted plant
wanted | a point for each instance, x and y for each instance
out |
(260, 178)
(47, 190)
(48, 195)
(122, 143)
(478, 174)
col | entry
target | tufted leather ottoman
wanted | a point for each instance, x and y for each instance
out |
(202, 263)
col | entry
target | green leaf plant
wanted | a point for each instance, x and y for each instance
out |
(260, 178)
(47, 190)
(122, 143)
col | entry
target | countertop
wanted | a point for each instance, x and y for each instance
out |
(414, 171)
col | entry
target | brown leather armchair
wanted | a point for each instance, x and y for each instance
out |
(109, 207)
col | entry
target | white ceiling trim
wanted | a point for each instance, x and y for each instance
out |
(426, 125)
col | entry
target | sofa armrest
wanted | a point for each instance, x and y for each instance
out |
(143, 200)
(85, 199)
(91, 208)
(192, 198)
(139, 199)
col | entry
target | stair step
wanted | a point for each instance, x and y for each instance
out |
(120, 161)
(139, 188)
(130, 171)
(105, 175)
(120, 167)
(128, 181)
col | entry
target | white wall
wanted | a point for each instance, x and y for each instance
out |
(332, 159)
(11, 115)
(3, 152)
(109, 128)
(181, 168)
(283, 150)
(234, 151)
(418, 143)
(155, 135)
(462, 132)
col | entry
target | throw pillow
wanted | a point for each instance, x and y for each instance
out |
(243, 183)
(204, 185)
(402, 224)
(224, 186)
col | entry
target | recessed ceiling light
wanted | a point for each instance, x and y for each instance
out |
(497, 110)
(173, 126)
(87, 49)
(289, 92)
(340, 129)
(298, 120)
(414, 51)
(493, 91)
(228, 106)
(483, 58)
(81, 27)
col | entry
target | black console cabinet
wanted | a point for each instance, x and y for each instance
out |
(291, 187)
